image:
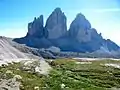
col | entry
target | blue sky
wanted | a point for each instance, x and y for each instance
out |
(104, 15)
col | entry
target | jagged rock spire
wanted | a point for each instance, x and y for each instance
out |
(36, 28)
(56, 24)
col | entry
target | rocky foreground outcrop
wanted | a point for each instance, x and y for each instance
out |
(16, 76)
(7, 51)
(81, 36)
(17, 62)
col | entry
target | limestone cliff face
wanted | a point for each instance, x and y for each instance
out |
(56, 24)
(80, 29)
(36, 29)
(87, 37)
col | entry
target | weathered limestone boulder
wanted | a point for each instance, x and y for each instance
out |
(41, 67)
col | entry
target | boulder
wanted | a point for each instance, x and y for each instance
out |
(54, 49)
(36, 66)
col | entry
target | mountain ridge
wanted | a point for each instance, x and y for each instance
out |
(81, 36)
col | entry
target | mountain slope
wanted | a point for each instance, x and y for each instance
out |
(7, 51)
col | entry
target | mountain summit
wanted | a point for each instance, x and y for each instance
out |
(56, 24)
(81, 36)
(80, 28)
(35, 28)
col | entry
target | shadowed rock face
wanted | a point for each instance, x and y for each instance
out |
(88, 38)
(80, 29)
(56, 24)
(36, 29)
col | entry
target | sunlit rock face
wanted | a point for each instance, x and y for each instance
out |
(36, 29)
(7, 51)
(56, 24)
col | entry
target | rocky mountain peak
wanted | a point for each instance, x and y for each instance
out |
(56, 23)
(35, 28)
(82, 22)
(39, 19)
(80, 16)
(79, 28)
(58, 10)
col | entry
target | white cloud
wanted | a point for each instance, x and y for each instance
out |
(107, 10)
